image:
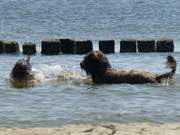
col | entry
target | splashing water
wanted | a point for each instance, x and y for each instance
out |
(57, 72)
(45, 73)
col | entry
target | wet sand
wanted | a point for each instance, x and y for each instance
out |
(99, 129)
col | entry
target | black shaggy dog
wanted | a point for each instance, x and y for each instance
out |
(22, 70)
(97, 65)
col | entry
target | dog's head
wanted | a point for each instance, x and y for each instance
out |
(21, 69)
(95, 62)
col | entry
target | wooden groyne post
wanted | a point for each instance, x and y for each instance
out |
(146, 46)
(51, 47)
(1, 46)
(10, 46)
(107, 46)
(83, 47)
(68, 46)
(165, 45)
(128, 45)
(29, 48)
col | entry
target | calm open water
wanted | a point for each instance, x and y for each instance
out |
(56, 102)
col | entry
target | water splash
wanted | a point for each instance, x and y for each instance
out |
(51, 73)
(57, 72)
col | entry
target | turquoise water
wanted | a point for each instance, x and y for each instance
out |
(55, 102)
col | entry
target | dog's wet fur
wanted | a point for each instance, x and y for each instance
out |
(22, 70)
(97, 65)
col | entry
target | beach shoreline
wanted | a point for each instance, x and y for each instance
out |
(100, 129)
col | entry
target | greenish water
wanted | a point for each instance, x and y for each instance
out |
(55, 102)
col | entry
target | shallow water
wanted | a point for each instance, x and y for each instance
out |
(56, 102)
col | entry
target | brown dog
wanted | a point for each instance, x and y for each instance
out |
(97, 65)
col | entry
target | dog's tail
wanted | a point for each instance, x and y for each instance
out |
(171, 63)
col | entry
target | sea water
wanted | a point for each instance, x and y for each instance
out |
(54, 102)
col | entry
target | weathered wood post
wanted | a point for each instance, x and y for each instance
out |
(165, 45)
(68, 46)
(128, 45)
(83, 47)
(11, 47)
(29, 48)
(1, 46)
(51, 47)
(146, 45)
(107, 46)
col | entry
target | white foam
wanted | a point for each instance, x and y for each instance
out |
(57, 72)
(47, 73)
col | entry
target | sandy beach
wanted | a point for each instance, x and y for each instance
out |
(99, 129)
